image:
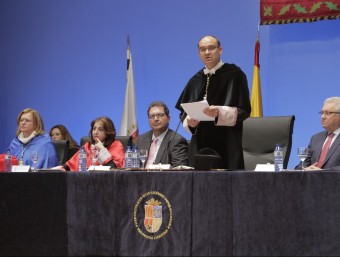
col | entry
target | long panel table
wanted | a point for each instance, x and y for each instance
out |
(170, 213)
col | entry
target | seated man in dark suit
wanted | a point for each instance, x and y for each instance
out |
(164, 145)
(325, 146)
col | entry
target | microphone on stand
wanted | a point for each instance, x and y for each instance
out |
(169, 141)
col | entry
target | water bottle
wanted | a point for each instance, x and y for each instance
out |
(128, 157)
(8, 161)
(82, 160)
(278, 158)
(135, 157)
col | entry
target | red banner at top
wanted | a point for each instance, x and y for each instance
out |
(290, 11)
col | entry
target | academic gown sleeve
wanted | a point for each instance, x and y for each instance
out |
(228, 87)
(116, 151)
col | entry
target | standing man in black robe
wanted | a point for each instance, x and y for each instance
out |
(225, 87)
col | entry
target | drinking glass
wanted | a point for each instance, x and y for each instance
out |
(94, 153)
(143, 154)
(34, 158)
(303, 153)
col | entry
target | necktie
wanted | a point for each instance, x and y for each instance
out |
(325, 150)
(152, 152)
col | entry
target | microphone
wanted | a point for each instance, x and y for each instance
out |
(169, 141)
(147, 158)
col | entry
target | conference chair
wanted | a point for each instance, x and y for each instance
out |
(61, 147)
(260, 135)
(84, 139)
(123, 139)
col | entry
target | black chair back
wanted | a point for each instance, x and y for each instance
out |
(61, 147)
(84, 140)
(260, 135)
(125, 140)
(207, 159)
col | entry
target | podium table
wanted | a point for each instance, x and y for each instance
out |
(170, 213)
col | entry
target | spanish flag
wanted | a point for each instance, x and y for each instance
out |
(256, 96)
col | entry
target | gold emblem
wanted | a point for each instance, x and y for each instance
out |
(154, 228)
(153, 215)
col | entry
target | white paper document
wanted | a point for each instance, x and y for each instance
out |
(265, 167)
(99, 167)
(158, 167)
(195, 110)
(21, 168)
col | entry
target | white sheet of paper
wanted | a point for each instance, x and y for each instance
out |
(99, 167)
(195, 110)
(21, 168)
(159, 167)
(265, 167)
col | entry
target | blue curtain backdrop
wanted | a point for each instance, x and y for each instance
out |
(67, 59)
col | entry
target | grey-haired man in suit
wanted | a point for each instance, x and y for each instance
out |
(330, 120)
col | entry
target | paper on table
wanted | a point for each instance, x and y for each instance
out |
(99, 167)
(158, 167)
(21, 168)
(195, 110)
(265, 167)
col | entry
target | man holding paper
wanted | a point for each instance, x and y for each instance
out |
(225, 89)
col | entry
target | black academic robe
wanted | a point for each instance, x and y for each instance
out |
(228, 87)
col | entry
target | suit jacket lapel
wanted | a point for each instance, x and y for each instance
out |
(331, 150)
(146, 143)
(161, 154)
(319, 145)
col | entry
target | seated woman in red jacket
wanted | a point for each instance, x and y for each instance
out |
(103, 139)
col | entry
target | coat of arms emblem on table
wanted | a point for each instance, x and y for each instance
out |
(153, 215)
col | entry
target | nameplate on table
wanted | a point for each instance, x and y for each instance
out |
(21, 168)
(98, 167)
(265, 167)
(158, 167)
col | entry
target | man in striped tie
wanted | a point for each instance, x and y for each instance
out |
(325, 146)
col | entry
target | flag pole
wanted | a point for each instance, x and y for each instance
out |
(127, 56)
(128, 126)
(256, 95)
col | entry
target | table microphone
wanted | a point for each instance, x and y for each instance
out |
(169, 141)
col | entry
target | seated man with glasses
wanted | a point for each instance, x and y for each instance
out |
(325, 146)
(164, 145)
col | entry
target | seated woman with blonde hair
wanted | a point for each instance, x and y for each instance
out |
(30, 136)
(103, 140)
(60, 132)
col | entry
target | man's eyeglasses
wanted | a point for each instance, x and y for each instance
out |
(156, 115)
(327, 113)
(211, 48)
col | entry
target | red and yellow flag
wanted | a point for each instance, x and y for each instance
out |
(256, 96)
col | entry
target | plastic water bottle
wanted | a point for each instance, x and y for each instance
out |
(135, 157)
(278, 158)
(8, 161)
(128, 157)
(82, 160)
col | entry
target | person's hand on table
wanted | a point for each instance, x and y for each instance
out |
(312, 167)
